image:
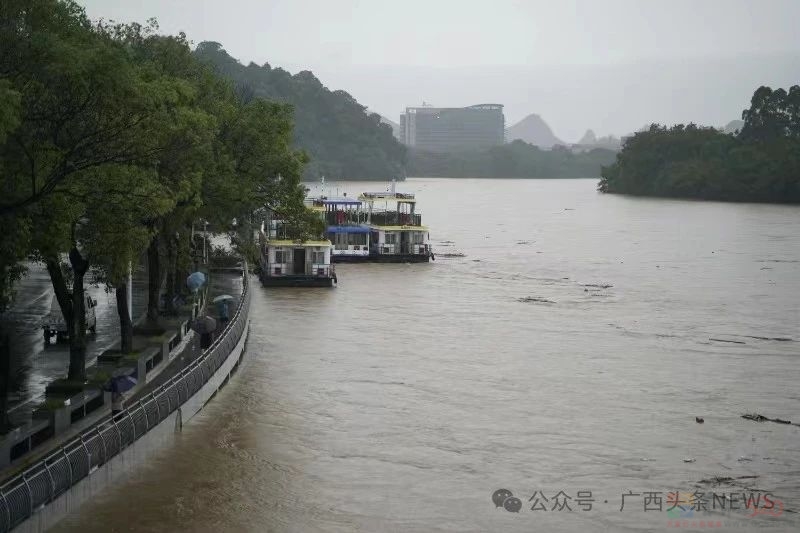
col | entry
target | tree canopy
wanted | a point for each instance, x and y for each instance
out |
(514, 160)
(115, 139)
(759, 164)
(342, 140)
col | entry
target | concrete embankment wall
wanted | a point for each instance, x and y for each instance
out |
(104, 455)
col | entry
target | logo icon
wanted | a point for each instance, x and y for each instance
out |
(505, 498)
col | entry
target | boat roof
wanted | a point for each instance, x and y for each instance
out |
(305, 244)
(342, 200)
(394, 196)
(401, 228)
(348, 229)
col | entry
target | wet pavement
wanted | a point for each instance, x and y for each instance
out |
(33, 363)
(221, 282)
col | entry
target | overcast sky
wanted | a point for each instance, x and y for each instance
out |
(610, 65)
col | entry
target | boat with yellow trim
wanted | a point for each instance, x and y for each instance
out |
(287, 262)
(396, 233)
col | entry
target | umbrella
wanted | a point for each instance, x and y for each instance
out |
(123, 383)
(222, 298)
(195, 280)
(204, 324)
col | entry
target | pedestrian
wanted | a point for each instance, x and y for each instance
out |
(222, 308)
(117, 401)
(205, 340)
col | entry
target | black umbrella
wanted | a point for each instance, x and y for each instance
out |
(204, 324)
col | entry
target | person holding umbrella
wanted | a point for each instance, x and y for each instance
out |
(205, 326)
(222, 308)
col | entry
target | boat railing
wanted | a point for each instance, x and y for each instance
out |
(345, 218)
(406, 248)
(394, 218)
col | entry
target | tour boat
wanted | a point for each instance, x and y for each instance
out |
(396, 233)
(346, 228)
(287, 262)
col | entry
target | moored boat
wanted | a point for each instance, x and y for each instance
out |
(346, 228)
(287, 262)
(396, 232)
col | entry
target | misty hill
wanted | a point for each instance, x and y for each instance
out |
(588, 138)
(733, 126)
(341, 138)
(590, 141)
(514, 160)
(533, 130)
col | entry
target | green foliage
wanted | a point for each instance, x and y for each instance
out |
(515, 160)
(113, 137)
(342, 140)
(761, 164)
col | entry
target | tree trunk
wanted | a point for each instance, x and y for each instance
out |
(172, 257)
(153, 281)
(72, 308)
(5, 380)
(77, 326)
(125, 322)
(63, 296)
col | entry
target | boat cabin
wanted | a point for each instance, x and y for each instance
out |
(287, 262)
(346, 228)
(396, 233)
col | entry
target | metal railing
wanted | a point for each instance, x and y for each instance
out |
(50, 477)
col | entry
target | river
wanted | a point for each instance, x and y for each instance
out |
(569, 350)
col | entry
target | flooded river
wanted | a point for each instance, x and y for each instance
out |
(569, 351)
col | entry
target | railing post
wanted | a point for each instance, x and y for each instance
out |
(119, 433)
(146, 418)
(158, 410)
(30, 493)
(69, 465)
(8, 510)
(52, 481)
(88, 455)
(133, 425)
(105, 451)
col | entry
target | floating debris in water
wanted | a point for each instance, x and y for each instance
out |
(699, 419)
(534, 299)
(525, 242)
(781, 339)
(689, 460)
(452, 254)
(719, 480)
(726, 340)
(597, 285)
(755, 417)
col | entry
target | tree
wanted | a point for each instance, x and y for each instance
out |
(761, 164)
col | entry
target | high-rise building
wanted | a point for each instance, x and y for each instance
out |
(450, 129)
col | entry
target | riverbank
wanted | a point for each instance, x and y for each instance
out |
(117, 445)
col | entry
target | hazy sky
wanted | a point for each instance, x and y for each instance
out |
(610, 65)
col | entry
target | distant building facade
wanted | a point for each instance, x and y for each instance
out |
(451, 129)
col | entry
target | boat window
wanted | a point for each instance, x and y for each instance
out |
(280, 256)
(357, 239)
(318, 257)
(391, 238)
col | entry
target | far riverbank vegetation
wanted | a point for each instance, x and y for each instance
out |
(760, 163)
